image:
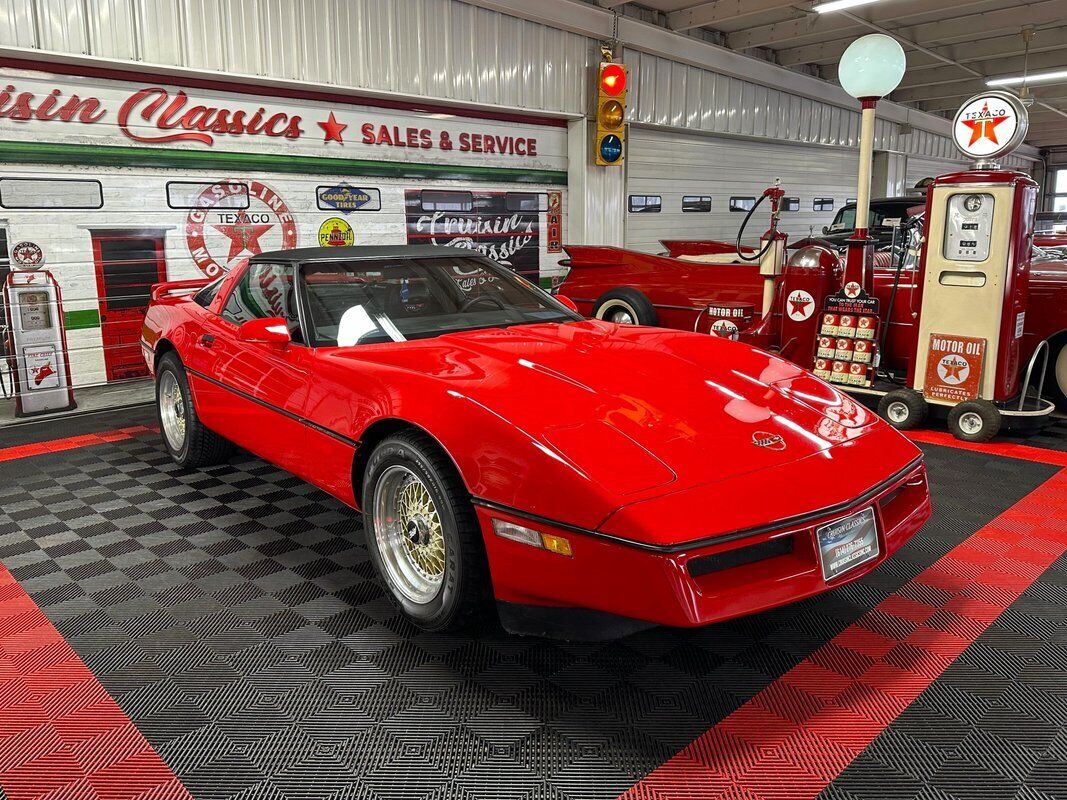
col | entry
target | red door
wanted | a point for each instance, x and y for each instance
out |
(127, 264)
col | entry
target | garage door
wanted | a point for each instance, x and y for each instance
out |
(684, 170)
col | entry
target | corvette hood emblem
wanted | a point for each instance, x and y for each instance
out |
(771, 441)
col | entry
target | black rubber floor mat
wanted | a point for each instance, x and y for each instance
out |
(37, 429)
(235, 617)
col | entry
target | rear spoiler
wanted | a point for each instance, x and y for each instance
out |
(160, 290)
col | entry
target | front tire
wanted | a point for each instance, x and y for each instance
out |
(423, 534)
(185, 438)
(625, 306)
(975, 421)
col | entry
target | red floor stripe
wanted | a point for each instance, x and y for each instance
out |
(61, 733)
(70, 443)
(1023, 451)
(791, 740)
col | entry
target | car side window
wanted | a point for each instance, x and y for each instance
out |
(207, 294)
(265, 290)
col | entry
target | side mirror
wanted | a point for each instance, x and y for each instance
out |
(269, 330)
(562, 298)
(825, 229)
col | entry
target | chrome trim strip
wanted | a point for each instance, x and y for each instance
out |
(303, 420)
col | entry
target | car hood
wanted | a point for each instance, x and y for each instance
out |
(641, 411)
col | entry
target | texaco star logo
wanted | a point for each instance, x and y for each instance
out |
(852, 289)
(221, 239)
(953, 369)
(725, 328)
(800, 305)
(985, 126)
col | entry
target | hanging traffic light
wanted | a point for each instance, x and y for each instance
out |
(610, 114)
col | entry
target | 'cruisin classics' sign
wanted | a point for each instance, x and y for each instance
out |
(41, 107)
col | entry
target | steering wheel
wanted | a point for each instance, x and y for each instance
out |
(470, 302)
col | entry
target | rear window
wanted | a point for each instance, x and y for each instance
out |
(208, 293)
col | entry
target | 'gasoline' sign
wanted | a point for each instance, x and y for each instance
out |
(953, 368)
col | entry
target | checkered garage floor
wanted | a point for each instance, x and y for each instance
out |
(234, 617)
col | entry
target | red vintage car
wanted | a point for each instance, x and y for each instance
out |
(676, 291)
(591, 478)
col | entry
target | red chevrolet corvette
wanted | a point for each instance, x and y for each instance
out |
(591, 478)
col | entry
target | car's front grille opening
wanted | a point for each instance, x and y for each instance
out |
(740, 556)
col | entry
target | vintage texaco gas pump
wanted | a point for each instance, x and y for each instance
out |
(975, 280)
(37, 343)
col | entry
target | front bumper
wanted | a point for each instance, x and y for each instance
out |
(709, 583)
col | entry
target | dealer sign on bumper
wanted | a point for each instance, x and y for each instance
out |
(847, 543)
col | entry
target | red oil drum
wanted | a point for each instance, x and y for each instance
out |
(726, 318)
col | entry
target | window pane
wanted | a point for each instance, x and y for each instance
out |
(791, 204)
(265, 290)
(1059, 204)
(742, 203)
(1061, 181)
(366, 302)
(822, 204)
(220, 194)
(644, 203)
(50, 193)
(526, 201)
(434, 200)
(129, 267)
(696, 203)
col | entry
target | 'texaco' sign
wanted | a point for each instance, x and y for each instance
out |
(989, 125)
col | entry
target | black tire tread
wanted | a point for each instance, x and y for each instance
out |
(915, 402)
(985, 409)
(475, 595)
(646, 312)
(204, 447)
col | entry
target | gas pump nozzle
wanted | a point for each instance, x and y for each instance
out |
(772, 249)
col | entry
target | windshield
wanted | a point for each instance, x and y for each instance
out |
(846, 218)
(365, 302)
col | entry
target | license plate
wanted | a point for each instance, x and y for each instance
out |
(847, 543)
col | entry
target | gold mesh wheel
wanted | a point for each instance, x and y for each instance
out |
(172, 410)
(409, 534)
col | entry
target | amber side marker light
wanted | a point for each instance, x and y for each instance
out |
(543, 541)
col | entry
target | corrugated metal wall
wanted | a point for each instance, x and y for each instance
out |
(675, 95)
(672, 165)
(442, 49)
(429, 48)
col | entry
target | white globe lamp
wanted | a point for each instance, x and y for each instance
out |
(870, 68)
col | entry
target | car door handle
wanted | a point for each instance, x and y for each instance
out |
(207, 340)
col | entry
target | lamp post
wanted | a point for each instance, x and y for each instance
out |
(869, 69)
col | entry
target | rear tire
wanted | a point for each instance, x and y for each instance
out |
(423, 534)
(904, 409)
(625, 306)
(185, 438)
(1056, 378)
(975, 421)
